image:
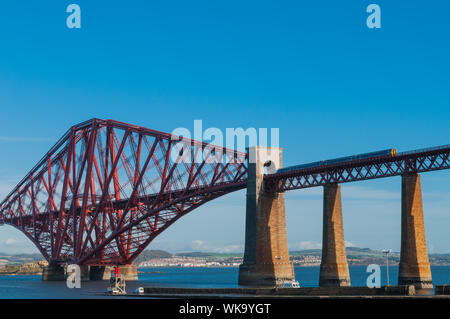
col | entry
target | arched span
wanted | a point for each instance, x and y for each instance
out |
(107, 189)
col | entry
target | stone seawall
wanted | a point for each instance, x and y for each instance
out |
(313, 291)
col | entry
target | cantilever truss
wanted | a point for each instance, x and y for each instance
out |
(107, 189)
(425, 160)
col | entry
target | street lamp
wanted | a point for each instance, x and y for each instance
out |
(387, 251)
(277, 270)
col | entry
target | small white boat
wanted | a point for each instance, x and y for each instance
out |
(117, 286)
(139, 291)
(290, 284)
(115, 291)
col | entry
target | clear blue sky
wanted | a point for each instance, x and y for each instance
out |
(312, 69)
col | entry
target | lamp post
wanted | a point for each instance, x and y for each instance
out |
(387, 251)
(277, 270)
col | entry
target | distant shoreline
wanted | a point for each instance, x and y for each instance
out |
(193, 267)
(32, 264)
(300, 266)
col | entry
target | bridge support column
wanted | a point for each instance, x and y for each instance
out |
(334, 267)
(53, 272)
(129, 272)
(414, 268)
(98, 273)
(84, 270)
(266, 257)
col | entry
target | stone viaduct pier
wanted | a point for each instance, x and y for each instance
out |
(266, 258)
(57, 272)
(266, 255)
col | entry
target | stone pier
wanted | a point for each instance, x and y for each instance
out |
(57, 272)
(98, 273)
(414, 268)
(54, 272)
(129, 272)
(85, 272)
(266, 257)
(334, 267)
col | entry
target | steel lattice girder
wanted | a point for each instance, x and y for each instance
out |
(405, 163)
(107, 189)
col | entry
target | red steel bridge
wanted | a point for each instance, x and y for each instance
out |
(107, 189)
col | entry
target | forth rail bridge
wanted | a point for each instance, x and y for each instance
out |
(107, 189)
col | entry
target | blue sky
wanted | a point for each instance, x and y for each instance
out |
(314, 70)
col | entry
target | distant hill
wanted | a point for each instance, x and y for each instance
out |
(20, 258)
(206, 254)
(313, 252)
(195, 254)
(152, 254)
(354, 254)
(36, 257)
(350, 251)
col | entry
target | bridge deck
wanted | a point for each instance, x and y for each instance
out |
(419, 161)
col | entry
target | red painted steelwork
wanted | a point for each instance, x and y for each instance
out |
(107, 189)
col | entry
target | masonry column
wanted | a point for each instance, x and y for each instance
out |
(128, 272)
(334, 266)
(85, 270)
(414, 268)
(266, 257)
(98, 273)
(54, 271)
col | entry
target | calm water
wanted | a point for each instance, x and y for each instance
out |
(33, 287)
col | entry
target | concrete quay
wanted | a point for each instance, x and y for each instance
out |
(390, 291)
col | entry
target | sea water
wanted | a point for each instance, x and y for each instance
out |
(196, 277)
